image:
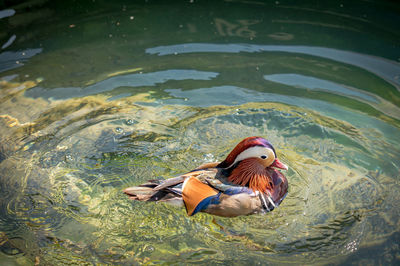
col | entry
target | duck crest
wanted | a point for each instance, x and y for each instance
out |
(252, 174)
(243, 145)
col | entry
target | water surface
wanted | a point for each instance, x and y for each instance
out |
(97, 96)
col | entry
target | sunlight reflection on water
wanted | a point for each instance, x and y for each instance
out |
(384, 68)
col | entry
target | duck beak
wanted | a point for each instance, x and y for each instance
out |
(279, 164)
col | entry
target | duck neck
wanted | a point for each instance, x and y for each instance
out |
(250, 173)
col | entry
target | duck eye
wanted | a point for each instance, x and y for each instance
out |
(264, 157)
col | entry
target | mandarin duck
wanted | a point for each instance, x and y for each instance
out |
(246, 182)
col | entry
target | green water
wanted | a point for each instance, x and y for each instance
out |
(97, 96)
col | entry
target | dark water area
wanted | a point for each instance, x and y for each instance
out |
(96, 96)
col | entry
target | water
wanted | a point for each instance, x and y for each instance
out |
(97, 96)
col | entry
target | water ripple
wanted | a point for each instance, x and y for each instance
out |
(130, 80)
(389, 70)
(231, 95)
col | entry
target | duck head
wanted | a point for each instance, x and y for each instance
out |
(253, 163)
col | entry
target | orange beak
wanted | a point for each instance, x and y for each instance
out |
(279, 164)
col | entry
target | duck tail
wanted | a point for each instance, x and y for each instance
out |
(142, 193)
(151, 191)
